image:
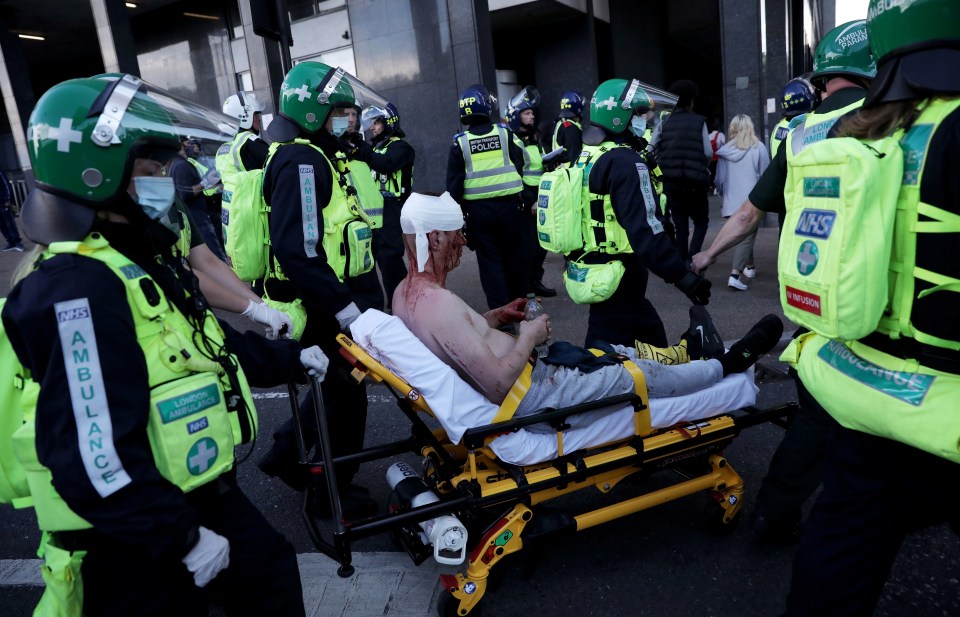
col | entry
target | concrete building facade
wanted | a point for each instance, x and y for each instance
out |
(419, 53)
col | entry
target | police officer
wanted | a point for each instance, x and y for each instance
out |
(568, 132)
(522, 118)
(842, 68)
(138, 393)
(797, 99)
(484, 175)
(391, 160)
(322, 257)
(627, 225)
(193, 182)
(878, 483)
(246, 150)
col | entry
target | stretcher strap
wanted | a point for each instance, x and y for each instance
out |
(515, 395)
(641, 417)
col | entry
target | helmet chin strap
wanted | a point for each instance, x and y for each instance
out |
(105, 131)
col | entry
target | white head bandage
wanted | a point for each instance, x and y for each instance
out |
(422, 214)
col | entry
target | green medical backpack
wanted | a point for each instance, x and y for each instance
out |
(13, 480)
(834, 256)
(559, 210)
(245, 226)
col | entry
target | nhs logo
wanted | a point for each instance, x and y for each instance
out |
(815, 223)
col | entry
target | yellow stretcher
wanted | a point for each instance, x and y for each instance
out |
(498, 502)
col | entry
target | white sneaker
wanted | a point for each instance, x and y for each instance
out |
(749, 272)
(736, 283)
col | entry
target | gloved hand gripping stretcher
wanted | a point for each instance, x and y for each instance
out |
(489, 476)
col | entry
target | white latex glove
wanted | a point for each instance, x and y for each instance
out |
(347, 315)
(208, 557)
(273, 319)
(315, 362)
(210, 179)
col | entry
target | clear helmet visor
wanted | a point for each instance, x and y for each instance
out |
(139, 104)
(369, 117)
(363, 95)
(660, 100)
(527, 98)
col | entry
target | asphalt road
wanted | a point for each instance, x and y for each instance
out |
(663, 561)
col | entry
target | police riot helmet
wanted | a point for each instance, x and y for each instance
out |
(844, 51)
(243, 106)
(476, 103)
(386, 114)
(798, 96)
(309, 92)
(571, 104)
(83, 137)
(914, 43)
(615, 101)
(527, 98)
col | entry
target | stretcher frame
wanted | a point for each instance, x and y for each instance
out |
(500, 497)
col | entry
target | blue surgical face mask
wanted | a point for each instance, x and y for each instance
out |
(638, 125)
(339, 125)
(154, 194)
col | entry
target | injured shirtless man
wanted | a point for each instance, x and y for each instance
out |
(491, 360)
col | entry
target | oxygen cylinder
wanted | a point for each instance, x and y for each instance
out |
(446, 533)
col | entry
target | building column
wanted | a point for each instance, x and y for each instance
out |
(263, 60)
(117, 48)
(740, 42)
(18, 101)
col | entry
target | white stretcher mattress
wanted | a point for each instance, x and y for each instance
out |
(459, 407)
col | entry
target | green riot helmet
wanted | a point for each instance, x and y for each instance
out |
(914, 44)
(83, 137)
(844, 51)
(615, 101)
(309, 92)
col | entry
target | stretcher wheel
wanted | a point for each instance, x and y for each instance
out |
(714, 514)
(447, 606)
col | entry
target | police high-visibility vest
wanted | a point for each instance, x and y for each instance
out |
(392, 184)
(868, 390)
(556, 130)
(532, 164)
(489, 170)
(193, 425)
(815, 126)
(346, 237)
(778, 135)
(202, 170)
(229, 163)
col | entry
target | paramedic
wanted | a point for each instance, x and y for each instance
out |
(246, 150)
(484, 175)
(522, 117)
(331, 274)
(140, 394)
(683, 149)
(391, 161)
(841, 71)
(492, 361)
(631, 229)
(878, 485)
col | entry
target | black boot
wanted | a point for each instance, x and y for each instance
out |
(761, 338)
(543, 291)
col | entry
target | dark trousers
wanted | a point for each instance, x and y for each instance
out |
(262, 578)
(8, 226)
(875, 491)
(686, 203)
(388, 248)
(495, 230)
(536, 254)
(796, 469)
(200, 217)
(627, 316)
